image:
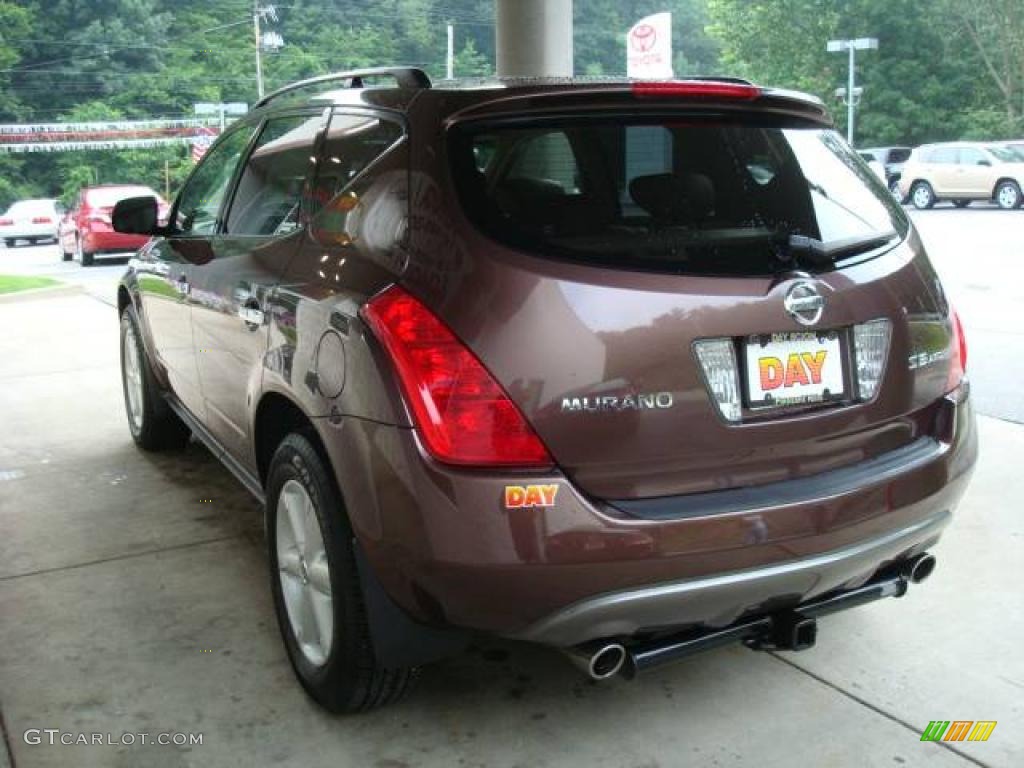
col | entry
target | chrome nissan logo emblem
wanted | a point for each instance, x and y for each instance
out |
(804, 303)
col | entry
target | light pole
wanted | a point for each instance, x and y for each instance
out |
(271, 40)
(852, 92)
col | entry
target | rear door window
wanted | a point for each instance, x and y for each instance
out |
(676, 195)
(269, 195)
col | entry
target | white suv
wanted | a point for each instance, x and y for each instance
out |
(962, 172)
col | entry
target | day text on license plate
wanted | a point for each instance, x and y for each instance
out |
(793, 369)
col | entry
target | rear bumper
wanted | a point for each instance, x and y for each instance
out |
(703, 601)
(94, 242)
(446, 550)
(24, 231)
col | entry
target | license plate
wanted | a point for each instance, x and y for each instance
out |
(794, 369)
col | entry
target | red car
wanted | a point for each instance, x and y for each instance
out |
(86, 230)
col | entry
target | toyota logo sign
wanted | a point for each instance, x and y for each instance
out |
(643, 37)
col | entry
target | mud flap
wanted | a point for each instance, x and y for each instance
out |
(398, 640)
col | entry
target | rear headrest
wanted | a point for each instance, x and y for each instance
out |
(689, 197)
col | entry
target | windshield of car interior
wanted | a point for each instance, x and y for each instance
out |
(1006, 154)
(676, 195)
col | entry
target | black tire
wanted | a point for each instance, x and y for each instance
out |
(1008, 195)
(961, 203)
(65, 255)
(83, 256)
(350, 679)
(161, 429)
(10, 242)
(894, 190)
(922, 195)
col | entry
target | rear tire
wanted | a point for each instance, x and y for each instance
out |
(1008, 195)
(922, 195)
(961, 203)
(10, 242)
(152, 423)
(83, 256)
(316, 586)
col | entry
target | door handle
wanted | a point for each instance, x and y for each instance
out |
(251, 314)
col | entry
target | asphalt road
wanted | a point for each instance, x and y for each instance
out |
(978, 251)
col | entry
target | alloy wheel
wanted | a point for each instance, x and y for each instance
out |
(133, 377)
(304, 572)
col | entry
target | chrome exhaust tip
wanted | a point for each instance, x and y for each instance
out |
(920, 568)
(598, 661)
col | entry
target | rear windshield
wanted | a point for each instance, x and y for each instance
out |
(899, 155)
(108, 198)
(671, 195)
(25, 207)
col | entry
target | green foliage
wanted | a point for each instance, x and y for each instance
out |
(945, 68)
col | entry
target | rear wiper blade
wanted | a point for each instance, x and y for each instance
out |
(819, 252)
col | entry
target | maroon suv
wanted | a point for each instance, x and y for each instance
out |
(628, 369)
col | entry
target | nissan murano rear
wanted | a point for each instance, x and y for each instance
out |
(625, 369)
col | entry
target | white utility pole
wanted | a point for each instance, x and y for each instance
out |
(852, 92)
(259, 62)
(451, 51)
(533, 38)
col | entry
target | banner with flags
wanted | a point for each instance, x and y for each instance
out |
(649, 48)
(201, 143)
(113, 134)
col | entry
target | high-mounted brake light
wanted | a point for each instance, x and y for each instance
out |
(696, 89)
(958, 352)
(461, 412)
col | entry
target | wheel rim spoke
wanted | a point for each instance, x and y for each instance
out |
(304, 573)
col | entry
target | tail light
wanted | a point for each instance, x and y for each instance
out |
(696, 89)
(958, 352)
(871, 350)
(718, 360)
(103, 218)
(42, 220)
(6, 222)
(461, 412)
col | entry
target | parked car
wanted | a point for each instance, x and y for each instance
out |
(30, 220)
(625, 369)
(876, 167)
(962, 172)
(893, 159)
(86, 230)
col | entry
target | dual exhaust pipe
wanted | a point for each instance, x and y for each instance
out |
(794, 630)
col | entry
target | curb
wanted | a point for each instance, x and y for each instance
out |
(50, 292)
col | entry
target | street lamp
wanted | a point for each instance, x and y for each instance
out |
(852, 93)
(271, 42)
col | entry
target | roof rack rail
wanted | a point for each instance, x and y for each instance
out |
(406, 77)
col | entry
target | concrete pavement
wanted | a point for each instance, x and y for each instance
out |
(134, 598)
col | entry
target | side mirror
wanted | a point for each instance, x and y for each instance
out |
(136, 216)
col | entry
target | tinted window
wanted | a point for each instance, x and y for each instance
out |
(943, 156)
(353, 143)
(674, 195)
(200, 201)
(269, 193)
(971, 156)
(899, 155)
